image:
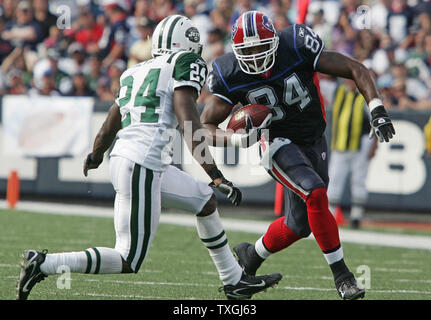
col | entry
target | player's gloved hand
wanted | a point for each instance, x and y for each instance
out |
(252, 134)
(381, 124)
(227, 188)
(91, 163)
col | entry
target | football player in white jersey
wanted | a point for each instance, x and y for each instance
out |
(155, 96)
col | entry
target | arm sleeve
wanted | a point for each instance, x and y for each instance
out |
(190, 70)
(308, 44)
(216, 85)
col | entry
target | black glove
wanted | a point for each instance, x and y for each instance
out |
(381, 124)
(91, 163)
(228, 189)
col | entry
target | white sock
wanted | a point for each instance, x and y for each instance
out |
(260, 249)
(211, 232)
(335, 256)
(92, 260)
(357, 212)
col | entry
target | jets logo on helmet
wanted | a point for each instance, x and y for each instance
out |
(254, 30)
(175, 33)
(193, 34)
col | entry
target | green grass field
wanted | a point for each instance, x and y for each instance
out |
(178, 266)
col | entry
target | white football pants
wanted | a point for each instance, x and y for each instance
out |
(355, 164)
(140, 192)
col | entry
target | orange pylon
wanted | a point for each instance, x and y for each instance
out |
(12, 192)
(339, 216)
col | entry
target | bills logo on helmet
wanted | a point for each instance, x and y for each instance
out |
(267, 23)
(193, 34)
(234, 29)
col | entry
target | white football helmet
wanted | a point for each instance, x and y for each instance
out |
(175, 33)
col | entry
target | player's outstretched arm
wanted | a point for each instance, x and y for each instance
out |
(104, 138)
(340, 65)
(214, 113)
(187, 114)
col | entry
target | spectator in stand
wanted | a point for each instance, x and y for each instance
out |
(94, 71)
(9, 8)
(365, 44)
(202, 21)
(320, 26)
(162, 9)
(89, 32)
(25, 30)
(414, 87)
(113, 43)
(114, 73)
(343, 36)
(80, 86)
(225, 7)
(5, 46)
(76, 61)
(141, 10)
(399, 21)
(16, 64)
(104, 92)
(44, 17)
(46, 87)
(141, 49)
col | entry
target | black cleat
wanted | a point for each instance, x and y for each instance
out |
(30, 272)
(248, 258)
(347, 287)
(250, 285)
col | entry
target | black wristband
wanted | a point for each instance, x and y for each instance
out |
(215, 173)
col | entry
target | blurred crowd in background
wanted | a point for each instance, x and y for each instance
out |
(81, 47)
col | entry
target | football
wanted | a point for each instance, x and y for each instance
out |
(257, 114)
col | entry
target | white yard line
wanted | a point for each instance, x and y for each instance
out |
(252, 226)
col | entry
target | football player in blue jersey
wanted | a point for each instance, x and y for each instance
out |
(279, 69)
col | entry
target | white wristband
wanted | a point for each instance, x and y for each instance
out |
(374, 103)
(236, 140)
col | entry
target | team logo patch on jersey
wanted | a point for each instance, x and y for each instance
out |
(267, 23)
(193, 34)
(301, 32)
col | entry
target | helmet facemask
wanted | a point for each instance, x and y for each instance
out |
(256, 63)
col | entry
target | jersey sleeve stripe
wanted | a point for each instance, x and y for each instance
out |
(221, 76)
(223, 98)
(193, 84)
(316, 60)
(294, 42)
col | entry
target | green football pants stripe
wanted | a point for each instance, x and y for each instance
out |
(147, 218)
(134, 222)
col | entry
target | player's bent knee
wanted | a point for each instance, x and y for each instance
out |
(317, 198)
(209, 207)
